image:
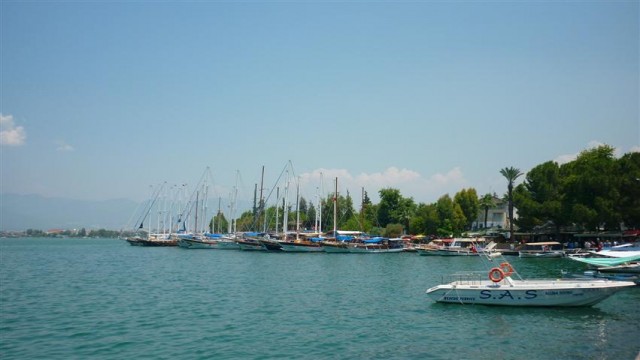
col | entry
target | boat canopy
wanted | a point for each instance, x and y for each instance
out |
(467, 240)
(374, 240)
(348, 232)
(606, 261)
(547, 243)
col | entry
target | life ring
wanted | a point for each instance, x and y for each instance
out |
(496, 275)
(506, 268)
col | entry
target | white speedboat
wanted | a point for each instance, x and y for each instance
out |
(498, 287)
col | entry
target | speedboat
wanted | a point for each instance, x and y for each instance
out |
(502, 285)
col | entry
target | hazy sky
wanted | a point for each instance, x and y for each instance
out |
(100, 100)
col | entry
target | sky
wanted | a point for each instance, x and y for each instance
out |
(106, 99)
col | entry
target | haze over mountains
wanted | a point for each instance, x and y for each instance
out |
(22, 212)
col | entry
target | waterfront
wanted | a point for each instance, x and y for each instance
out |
(104, 299)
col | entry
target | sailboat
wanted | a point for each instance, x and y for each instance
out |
(299, 244)
(338, 243)
(148, 238)
(210, 240)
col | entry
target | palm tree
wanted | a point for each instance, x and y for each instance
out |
(511, 174)
(486, 202)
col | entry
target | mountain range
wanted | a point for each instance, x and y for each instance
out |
(22, 212)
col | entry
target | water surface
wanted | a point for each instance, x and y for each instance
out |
(104, 299)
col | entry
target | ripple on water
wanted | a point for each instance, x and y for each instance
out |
(98, 299)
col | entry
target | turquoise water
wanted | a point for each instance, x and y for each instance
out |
(104, 299)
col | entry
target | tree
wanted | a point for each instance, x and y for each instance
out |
(425, 220)
(591, 186)
(467, 199)
(393, 230)
(539, 197)
(388, 212)
(459, 220)
(511, 174)
(486, 202)
(629, 204)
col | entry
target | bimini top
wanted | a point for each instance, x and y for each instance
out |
(547, 243)
(607, 261)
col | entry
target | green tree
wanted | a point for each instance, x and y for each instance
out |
(591, 187)
(539, 197)
(388, 212)
(511, 174)
(459, 220)
(444, 207)
(629, 204)
(425, 220)
(486, 202)
(468, 201)
(393, 230)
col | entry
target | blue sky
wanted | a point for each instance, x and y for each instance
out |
(100, 100)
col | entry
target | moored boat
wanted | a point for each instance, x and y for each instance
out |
(548, 249)
(466, 247)
(377, 245)
(498, 287)
(512, 292)
(302, 245)
(432, 247)
(250, 242)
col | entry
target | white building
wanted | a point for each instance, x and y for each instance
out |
(497, 216)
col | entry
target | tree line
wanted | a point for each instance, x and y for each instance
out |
(596, 192)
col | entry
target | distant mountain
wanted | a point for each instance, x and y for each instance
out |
(21, 212)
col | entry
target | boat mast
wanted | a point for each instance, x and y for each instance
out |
(285, 211)
(261, 204)
(298, 208)
(277, 208)
(195, 226)
(335, 211)
(320, 204)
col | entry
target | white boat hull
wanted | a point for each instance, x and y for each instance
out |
(455, 252)
(545, 254)
(363, 249)
(561, 292)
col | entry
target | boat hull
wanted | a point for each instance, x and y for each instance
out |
(363, 249)
(250, 245)
(335, 247)
(542, 255)
(301, 247)
(208, 244)
(561, 292)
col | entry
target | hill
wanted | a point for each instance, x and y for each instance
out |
(21, 212)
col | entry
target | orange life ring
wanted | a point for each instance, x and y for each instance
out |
(506, 268)
(496, 275)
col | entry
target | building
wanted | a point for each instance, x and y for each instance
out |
(497, 216)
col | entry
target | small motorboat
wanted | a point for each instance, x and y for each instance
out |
(499, 287)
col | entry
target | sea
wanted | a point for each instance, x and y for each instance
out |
(104, 299)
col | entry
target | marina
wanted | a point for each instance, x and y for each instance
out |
(104, 299)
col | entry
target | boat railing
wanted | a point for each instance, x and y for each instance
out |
(465, 278)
